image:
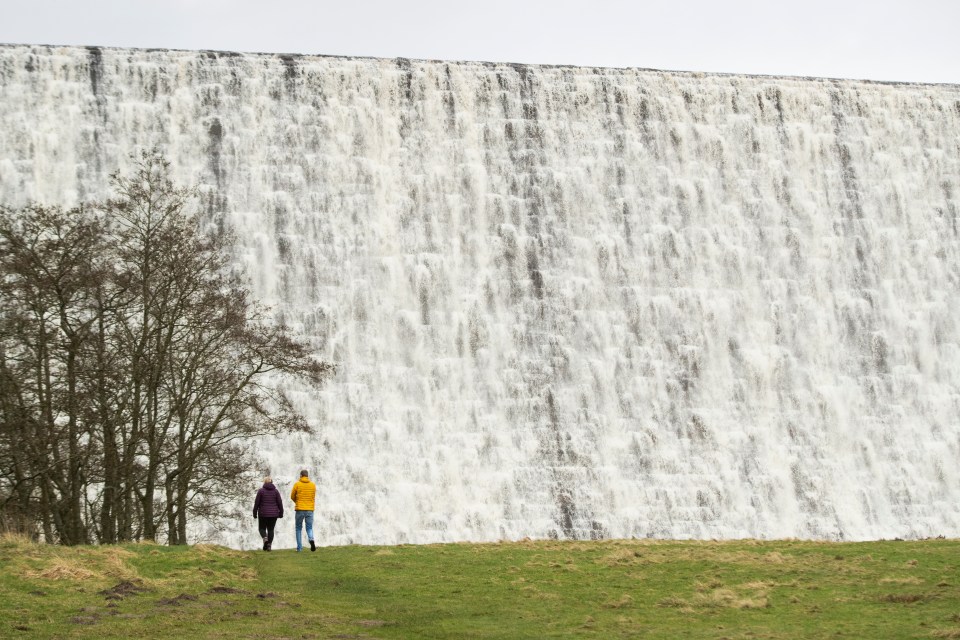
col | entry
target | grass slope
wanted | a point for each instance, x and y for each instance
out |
(613, 589)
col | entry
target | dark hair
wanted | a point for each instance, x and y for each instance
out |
(303, 473)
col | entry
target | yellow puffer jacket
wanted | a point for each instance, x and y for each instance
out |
(303, 494)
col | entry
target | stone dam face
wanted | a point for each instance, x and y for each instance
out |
(566, 302)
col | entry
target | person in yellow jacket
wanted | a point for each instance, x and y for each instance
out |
(303, 495)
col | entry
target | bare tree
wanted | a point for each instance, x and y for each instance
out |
(133, 363)
(51, 262)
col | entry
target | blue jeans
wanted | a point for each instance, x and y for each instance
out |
(304, 517)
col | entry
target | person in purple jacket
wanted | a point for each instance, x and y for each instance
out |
(267, 507)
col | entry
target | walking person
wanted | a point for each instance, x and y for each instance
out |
(267, 507)
(303, 494)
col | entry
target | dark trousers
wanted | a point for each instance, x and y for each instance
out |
(266, 526)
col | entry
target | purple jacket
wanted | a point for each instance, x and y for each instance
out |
(268, 503)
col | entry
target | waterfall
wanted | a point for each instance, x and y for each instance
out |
(565, 302)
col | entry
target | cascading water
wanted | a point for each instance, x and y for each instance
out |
(565, 301)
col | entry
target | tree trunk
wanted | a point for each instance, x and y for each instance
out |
(182, 492)
(111, 464)
(75, 482)
(146, 505)
(172, 537)
(45, 513)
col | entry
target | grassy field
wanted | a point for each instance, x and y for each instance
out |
(615, 589)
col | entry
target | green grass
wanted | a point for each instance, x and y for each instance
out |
(615, 589)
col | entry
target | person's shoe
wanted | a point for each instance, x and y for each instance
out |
(266, 545)
(269, 546)
(313, 547)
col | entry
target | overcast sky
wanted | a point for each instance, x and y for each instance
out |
(910, 40)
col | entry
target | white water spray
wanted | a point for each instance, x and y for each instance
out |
(565, 301)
